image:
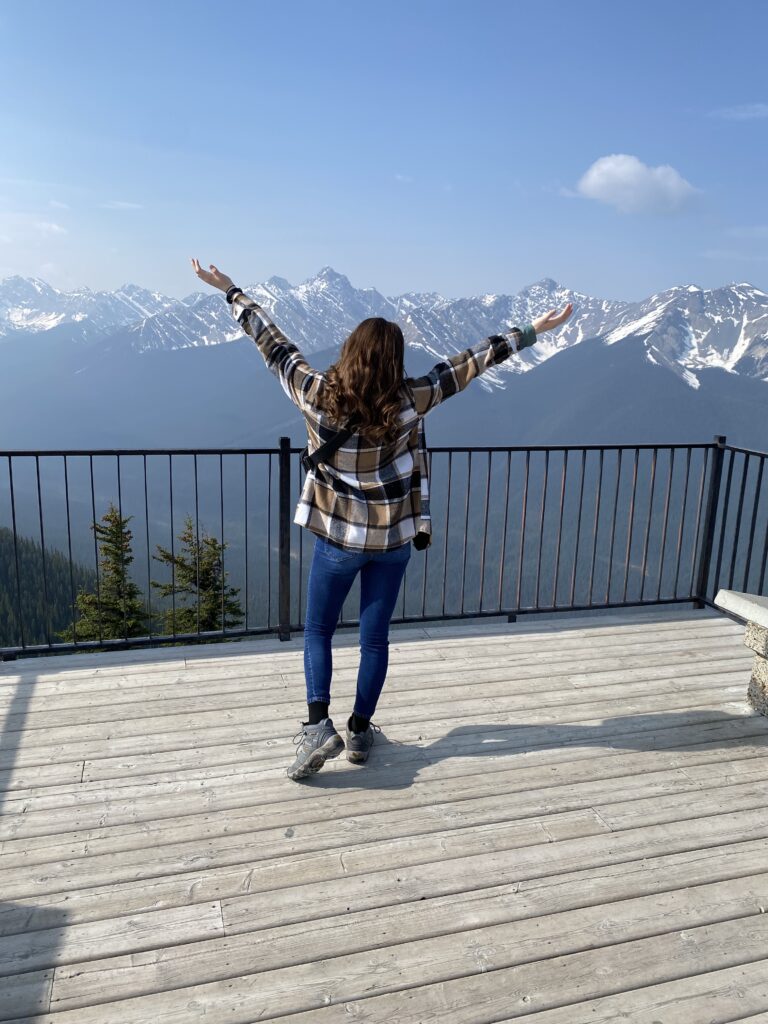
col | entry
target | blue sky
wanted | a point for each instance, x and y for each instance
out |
(462, 147)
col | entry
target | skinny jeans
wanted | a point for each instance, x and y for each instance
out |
(331, 575)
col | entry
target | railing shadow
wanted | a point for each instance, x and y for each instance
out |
(31, 934)
(395, 765)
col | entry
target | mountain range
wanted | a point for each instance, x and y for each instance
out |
(133, 367)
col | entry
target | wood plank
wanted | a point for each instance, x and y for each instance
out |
(350, 931)
(493, 735)
(111, 823)
(485, 989)
(130, 675)
(409, 883)
(622, 814)
(69, 944)
(63, 775)
(272, 852)
(260, 666)
(692, 743)
(103, 830)
(697, 999)
(286, 889)
(27, 995)
(251, 725)
(562, 668)
(46, 728)
(559, 661)
(105, 663)
(619, 797)
(431, 959)
(565, 623)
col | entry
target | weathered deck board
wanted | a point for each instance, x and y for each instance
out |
(276, 947)
(576, 830)
(165, 696)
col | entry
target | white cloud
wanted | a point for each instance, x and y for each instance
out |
(629, 185)
(403, 177)
(743, 112)
(46, 227)
(120, 204)
(27, 229)
(57, 205)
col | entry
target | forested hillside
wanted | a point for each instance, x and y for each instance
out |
(34, 582)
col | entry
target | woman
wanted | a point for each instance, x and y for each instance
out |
(369, 500)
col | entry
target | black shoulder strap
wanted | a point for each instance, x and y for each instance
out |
(333, 443)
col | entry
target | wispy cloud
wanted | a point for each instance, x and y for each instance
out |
(626, 183)
(47, 228)
(56, 204)
(742, 112)
(120, 204)
(25, 228)
(403, 177)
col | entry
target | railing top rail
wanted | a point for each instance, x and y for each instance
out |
(746, 451)
(107, 452)
(112, 452)
(566, 447)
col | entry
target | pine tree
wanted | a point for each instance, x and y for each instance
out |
(117, 609)
(198, 581)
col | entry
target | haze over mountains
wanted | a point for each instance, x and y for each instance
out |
(134, 368)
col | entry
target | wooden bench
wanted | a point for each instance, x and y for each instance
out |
(754, 610)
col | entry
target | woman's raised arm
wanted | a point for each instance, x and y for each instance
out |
(297, 378)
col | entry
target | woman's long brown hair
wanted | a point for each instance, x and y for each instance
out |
(367, 380)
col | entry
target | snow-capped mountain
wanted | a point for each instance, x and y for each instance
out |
(26, 303)
(688, 328)
(685, 329)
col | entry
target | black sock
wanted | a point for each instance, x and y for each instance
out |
(318, 710)
(358, 723)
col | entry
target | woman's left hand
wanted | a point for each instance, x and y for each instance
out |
(213, 276)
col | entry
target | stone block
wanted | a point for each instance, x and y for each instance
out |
(756, 639)
(757, 695)
(760, 671)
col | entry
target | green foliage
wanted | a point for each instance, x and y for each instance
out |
(38, 621)
(197, 585)
(117, 608)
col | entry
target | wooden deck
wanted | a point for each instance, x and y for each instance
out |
(563, 821)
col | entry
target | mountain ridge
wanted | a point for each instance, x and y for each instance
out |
(685, 329)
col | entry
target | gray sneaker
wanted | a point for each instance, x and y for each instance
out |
(315, 744)
(359, 743)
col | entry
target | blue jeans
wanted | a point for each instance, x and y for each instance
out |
(331, 575)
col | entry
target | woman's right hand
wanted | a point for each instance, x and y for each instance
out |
(552, 319)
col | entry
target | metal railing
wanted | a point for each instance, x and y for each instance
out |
(516, 530)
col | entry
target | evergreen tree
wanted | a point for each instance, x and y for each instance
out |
(197, 585)
(117, 609)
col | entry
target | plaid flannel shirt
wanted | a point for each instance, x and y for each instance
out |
(369, 497)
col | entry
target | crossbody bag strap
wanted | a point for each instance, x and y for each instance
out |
(330, 446)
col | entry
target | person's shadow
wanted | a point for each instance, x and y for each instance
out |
(394, 765)
(32, 933)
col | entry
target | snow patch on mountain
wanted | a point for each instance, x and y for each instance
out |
(684, 330)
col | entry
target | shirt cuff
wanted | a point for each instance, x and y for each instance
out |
(528, 336)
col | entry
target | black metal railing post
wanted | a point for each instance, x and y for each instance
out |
(284, 541)
(708, 524)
